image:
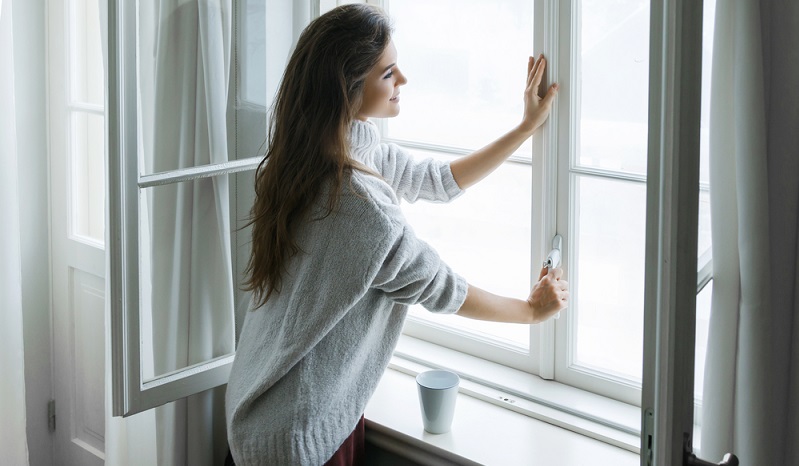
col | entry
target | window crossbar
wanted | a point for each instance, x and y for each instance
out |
(194, 173)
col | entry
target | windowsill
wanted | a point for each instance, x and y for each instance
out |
(489, 430)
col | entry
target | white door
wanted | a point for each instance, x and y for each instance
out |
(76, 114)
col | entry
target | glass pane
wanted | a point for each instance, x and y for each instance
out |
(252, 56)
(702, 329)
(186, 274)
(608, 275)
(87, 170)
(703, 299)
(183, 77)
(466, 73)
(87, 81)
(709, 13)
(485, 237)
(613, 70)
(704, 239)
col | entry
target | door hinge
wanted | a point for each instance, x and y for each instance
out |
(51, 415)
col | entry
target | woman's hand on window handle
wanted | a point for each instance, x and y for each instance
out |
(470, 169)
(548, 296)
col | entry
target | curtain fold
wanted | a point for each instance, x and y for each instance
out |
(780, 24)
(749, 400)
(13, 440)
(189, 222)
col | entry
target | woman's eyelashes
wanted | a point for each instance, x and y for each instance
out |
(390, 74)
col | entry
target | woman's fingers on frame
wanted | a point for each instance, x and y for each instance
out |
(551, 93)
(539, 73)
(530, 70)
(533, 66)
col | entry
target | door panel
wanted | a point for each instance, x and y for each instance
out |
(87, 351)
(76, 220)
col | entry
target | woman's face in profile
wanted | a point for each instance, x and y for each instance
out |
(381, 87)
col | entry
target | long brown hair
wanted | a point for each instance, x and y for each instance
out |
(308, 135)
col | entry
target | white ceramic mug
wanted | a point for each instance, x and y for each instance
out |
(438, 391)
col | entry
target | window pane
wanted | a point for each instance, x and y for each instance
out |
(252, 54)
(608, 273)
(709, 13)
(87, 171)
(183, 76)
(702, 329)
(466, 73)
(186, 274)
(704, 239)
(86, 60)
(613, 77)
(484, 236)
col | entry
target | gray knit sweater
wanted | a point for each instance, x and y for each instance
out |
(308, 361)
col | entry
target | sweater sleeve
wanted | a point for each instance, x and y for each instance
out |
(411, 272)
(427, 179)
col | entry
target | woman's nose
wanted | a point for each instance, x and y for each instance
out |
(402, 79)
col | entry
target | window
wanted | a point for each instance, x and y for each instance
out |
(583, 175)
(86, 123)
(190, 120)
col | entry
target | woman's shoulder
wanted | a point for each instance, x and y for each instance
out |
(372, 197)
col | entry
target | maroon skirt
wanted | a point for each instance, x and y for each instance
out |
(353, 451)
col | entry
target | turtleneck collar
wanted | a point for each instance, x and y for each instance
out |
(364, 138)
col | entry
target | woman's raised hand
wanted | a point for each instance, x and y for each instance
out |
(550, 295)
(536, 108)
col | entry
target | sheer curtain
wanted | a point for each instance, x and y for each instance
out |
(13, 441)
(751, 379)
(184, 88)
(183, 70)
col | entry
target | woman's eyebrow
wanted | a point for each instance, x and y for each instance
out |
(389, 67)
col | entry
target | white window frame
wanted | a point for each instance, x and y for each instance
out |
(131, 394)
(75, 108)
(568, 133)
(555, 35)
(554, 32)
(539, 359)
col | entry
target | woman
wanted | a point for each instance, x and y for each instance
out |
(334, 264)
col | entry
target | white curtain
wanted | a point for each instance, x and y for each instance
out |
(184, 99)
(751, 379)
(13, 440)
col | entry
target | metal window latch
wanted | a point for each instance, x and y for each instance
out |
(728, 460)
(691, 459)
(553, 258)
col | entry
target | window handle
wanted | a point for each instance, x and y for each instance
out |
(553, 258)
(690, 459)
(728, 460)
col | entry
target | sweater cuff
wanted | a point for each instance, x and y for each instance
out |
(450, 185)
(458, 296)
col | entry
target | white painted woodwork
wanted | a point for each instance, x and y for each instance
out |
(78, 279)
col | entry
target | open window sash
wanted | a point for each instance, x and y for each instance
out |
(136, 192)
(667, 405)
